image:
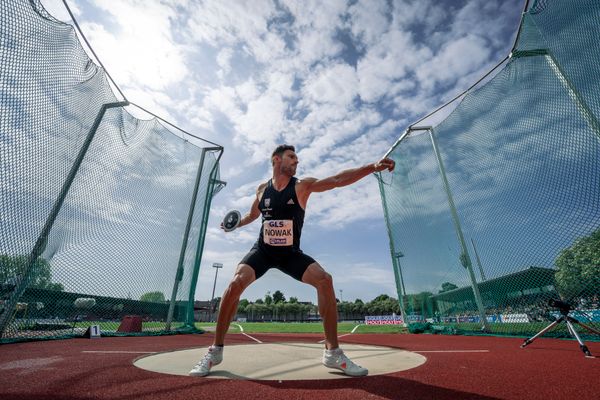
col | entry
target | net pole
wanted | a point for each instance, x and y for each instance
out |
(583, 108)
(580, 103)
(42, 240)
(465, 259)
(212, 184)
(399, 286)
(478, 260)
(179, 273)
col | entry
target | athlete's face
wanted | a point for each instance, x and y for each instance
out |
(289, 162)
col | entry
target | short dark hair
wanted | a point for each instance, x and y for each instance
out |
(279, 150)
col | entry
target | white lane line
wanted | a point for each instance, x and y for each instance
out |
(118, 352)
(347, 334)
(451, 351)
(245, 334)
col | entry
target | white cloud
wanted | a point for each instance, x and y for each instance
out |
(139, 51)
(224, 61)
(333, 84)
(369, 20)
(388, 62)
(452, 61)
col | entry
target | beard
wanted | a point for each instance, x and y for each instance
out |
(289, 170)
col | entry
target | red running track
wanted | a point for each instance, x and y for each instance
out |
(548, 369)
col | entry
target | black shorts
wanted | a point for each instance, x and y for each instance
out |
(293, 262)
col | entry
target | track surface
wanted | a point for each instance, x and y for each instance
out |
(103, 368)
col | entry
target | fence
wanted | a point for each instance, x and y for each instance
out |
(495, 210)
(101, 214)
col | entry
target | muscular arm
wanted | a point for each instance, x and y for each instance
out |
(347, 177)
(344, 178)
(254, 212)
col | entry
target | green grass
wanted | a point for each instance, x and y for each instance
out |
(114, 325)
(516, 329)
(303, 327)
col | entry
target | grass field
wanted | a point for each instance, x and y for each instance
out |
(303, 327)
(516, 329)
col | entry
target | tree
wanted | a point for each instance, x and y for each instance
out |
(578, 268)
(153, 297)
(447, 286)
(293, 300)
(268, 299)
(12, 269)
(381, 297)
(278, 297)
(243, 303)
(259, 301)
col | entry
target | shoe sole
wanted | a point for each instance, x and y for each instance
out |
(346, 372)
(197, 374)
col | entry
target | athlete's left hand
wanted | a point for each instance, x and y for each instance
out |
(384, 163)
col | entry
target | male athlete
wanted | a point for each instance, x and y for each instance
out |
(282, 201)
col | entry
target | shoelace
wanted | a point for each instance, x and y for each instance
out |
(205, 359)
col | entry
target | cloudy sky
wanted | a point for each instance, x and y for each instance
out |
(338, 79)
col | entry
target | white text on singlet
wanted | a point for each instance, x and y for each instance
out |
(278, 232)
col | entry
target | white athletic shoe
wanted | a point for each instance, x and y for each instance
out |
(337, 359)
(212, 358)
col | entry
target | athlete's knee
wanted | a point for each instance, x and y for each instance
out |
(324, 280)
(237, 285)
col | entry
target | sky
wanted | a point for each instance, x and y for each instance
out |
(340, 80)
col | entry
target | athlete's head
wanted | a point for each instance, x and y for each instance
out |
(284, 157)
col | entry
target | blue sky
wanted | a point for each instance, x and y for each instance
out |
(340, 80)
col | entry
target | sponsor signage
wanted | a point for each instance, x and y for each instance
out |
(383, 320)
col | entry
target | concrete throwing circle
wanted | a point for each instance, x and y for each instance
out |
(282, 361)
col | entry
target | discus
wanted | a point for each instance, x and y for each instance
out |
(232, 220)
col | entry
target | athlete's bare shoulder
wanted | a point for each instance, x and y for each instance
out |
(303, 189)
(304, 184)
(305, 180)
(261, 189)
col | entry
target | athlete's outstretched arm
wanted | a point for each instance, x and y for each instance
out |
(347, 177)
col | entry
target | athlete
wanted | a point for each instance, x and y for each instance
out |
(281, 201)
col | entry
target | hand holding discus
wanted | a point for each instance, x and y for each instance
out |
(231, 221)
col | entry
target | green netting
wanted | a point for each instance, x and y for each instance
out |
(102, 215)
(496, 210)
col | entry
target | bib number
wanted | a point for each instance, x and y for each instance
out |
(278, 232)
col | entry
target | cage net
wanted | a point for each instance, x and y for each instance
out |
(102, 215)
(495, 212)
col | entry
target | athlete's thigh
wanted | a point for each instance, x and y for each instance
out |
(245, 275)
(314, 274)
(258, 261)
(296, 264)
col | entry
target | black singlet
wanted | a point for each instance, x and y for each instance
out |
(278, 244)
(280, 209)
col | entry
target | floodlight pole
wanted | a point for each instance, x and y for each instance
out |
(465, 258)
(216, 266)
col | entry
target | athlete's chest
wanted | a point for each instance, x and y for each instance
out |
(278, 204)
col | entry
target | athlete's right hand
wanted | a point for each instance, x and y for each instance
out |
(383, 164)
